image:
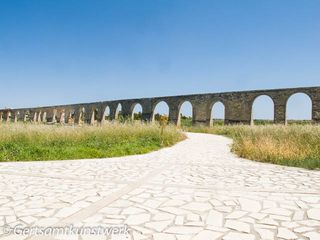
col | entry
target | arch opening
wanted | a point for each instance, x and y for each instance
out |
(262, 110)
(106, 114)
(299, 109)
(185, 117)
(35, 117)
(26, 117)
(17, 116)
(9, 116)
(137, 112)
(94, 116)
(217, 116)
(82, 115)
(39, 117)
(118, 113)
(62, 117)
(161, 112)
(44, 117)
(71, 117)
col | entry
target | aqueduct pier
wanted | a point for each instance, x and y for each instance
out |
(238, 108)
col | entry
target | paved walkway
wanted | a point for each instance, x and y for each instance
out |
(194, 190)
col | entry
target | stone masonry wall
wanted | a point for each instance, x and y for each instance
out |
(238, 108)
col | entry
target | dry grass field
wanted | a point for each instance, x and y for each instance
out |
(292, 145)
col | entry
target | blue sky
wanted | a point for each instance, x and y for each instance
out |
(57, 52)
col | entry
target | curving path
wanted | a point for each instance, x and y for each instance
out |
(194, 190)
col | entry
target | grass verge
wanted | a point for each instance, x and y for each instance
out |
(30, 142)
(293, 145)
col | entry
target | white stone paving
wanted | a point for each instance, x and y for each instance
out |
(196, 189)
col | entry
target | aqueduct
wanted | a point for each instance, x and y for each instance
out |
(238, 108)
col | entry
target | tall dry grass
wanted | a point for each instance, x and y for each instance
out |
(27, 142)
(293, 145)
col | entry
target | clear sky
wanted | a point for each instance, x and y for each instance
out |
(58, 52)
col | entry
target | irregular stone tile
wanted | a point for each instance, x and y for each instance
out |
(265, 234)
(158, 226)
(183, 230)
(144, 231)
(310, 199)
(312, 235)
(224, 209)
(28, 219)
(179, 220)
(286, 233)
(249, 205)
(174, 210)
(310, 223)
(314, 213)
(215, 218)
(215, 202)
(183, 237)
(162, 216)
(132, 210)
(198, 223)
(173, 203)
(163, 236)
(303, 229)
(290, 224)
(65, 212)
(152, 203)
(302, 204)
(207, 235)
(269, 204)
(217, 229)
(269, 221)
(238, 236)
(278, 211)
(236, 215)
(137, 219)
(198, 206)
(258, 216)
(280, 217)
(257, 225)
(193, 217)
(237, 225)
(247, 220)
(298, 215)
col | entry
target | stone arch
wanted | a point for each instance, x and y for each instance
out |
(94, 115)
(9, 115)
(217, 113)
(71, 114)
(35, 116)
(262, 109)
(81, 115)
(161, 109)
(26, 117)
(16, 116)
(54, 116)
(185, 117)
(118, 112)
(44, 117)
(62, 116)
(106, 113)
(39, 116)
(136, 111)
(299, 107)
